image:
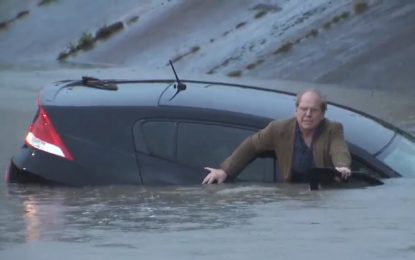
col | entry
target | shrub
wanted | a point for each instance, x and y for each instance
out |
(107, 31)
(63, 55)
(86, 41)
(360, 7)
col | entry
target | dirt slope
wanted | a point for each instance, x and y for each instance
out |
(366, 43)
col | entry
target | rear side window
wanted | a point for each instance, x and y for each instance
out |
(197, 145)
(160, 138)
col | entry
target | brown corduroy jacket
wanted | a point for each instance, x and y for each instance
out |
(329, 147)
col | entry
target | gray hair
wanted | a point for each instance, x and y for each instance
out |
(323, 99)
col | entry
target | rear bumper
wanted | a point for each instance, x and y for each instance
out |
(14, 174)
(34, 166)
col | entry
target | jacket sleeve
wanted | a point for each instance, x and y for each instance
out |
(257, 143)
(339, 152)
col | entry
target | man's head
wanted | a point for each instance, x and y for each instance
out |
(310, 109)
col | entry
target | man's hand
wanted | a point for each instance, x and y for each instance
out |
(345, 172)
(217, 175)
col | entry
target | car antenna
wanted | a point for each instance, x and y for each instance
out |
(179, 86)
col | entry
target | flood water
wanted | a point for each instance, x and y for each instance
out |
(209, 222)
(230, 221)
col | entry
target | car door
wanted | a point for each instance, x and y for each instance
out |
(176, 152)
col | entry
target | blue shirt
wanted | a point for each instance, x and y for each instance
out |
(303, 158)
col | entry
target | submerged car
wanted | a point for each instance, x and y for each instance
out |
(151, 132)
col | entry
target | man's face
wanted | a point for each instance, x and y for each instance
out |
(308, 112)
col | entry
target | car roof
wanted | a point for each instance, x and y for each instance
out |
(73, 93)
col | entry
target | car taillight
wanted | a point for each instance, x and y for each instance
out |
(43, 136)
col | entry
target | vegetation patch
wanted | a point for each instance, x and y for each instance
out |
(239, 25)
(345, 15)
(360, 7)
(132, 20)
(86, 41)
(260, 14)
(253, 65)
(46, 2)
(22, 14)
(312, 33)
(195, 49)
(336, 19)
(223, 64)
(191, 51)
(327, 25)
(3, 25)
(235, 74)
(284, 48)
(211, 71)
(63, 55)
(107, 31)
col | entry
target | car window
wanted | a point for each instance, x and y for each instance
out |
(202, 145)
(160, 138)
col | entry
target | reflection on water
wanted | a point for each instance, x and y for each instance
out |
(178, 222)
(32, 220)
(47, 212)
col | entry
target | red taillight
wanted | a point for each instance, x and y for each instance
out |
(43, 136)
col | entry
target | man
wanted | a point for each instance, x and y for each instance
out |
(308, 140)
